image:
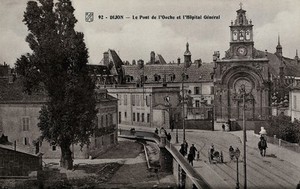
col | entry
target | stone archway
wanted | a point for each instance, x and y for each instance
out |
(231, 83)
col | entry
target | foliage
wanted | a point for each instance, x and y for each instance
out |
(283, 128)
(58, 66)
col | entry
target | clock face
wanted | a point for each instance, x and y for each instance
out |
(243, 86)
(242, 51)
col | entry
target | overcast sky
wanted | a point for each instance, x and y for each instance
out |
(135, 39)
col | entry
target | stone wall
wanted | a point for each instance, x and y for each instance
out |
(14, 163)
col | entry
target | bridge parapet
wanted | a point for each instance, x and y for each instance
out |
(185, 167)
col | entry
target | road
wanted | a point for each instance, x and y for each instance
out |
(262, 172)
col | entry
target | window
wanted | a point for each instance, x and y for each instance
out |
(110, 119)
(133, 116)
(133, 100)
(143, 117)
(120, 116)
(295, 102)
(138, 100)
(106, 120)
(120, 99)
(125, 99)
(138, 117)
(53, 148)
(25, 123)
(197, 103)
(147, 101)
(196, 90)
(125, 114)
(25, 141)
(148, 118)
(212, 90)
(142, 101)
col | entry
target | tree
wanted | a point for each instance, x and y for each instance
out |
(58, 66)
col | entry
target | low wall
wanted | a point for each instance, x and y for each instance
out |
(14, 163)
(198, 124)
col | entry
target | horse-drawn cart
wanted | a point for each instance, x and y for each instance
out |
(215, 157)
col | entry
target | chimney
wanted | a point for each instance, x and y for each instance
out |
(133, 62)
(105, 58)
(140, 63)
(152, 57)
(178, 60)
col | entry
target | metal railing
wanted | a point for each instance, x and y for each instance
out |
(290, 146)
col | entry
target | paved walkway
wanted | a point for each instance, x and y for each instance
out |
(208, 173)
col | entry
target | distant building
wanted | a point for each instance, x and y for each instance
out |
(195, 77)
(294, 106)
(262, 76)
(19, 114)
(148, 106)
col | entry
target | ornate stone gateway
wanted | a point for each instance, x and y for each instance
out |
(243, 72)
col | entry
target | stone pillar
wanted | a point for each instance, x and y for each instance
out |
(165, 157)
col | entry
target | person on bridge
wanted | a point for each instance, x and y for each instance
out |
(169, 137)
(262, 146)
(181, 150)
(193, 150)
(156, 131)
(191, 158)
(186, 146)
(231, 152)
(212, 150)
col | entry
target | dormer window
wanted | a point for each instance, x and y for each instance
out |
(248, 37)
(157, 77)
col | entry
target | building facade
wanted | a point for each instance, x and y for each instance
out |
(242, 74)
(149, 106)
(19, 115)
(294, 106)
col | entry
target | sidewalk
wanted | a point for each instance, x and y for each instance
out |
(280, 152)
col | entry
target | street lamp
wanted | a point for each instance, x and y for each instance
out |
(184, 76)
(244, 97)
(237, 155)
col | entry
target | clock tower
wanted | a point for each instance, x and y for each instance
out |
(241, 37)
(243, 74)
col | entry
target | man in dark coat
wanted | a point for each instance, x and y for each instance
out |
(262, 146)
(190, 158)
(193, 150)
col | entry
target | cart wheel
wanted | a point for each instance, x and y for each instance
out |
(221, 156)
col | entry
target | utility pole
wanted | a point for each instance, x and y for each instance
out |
(183, 114)
(245, 140)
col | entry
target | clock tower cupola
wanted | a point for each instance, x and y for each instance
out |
(241, 31)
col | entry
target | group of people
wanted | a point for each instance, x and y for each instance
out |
(192, 152)
(169, 137)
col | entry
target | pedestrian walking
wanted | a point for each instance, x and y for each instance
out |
(186, 146)
(193, 150)
(231, 153)
(181, 150)
(262, 146)
(169, 137)
(190, 158)
(156, 131)
(223, 127)
(212, 150)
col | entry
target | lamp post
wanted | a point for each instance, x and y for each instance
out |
(244, 97)
(237, 155)
(183, 101)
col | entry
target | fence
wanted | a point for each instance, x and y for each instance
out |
(291, 146)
